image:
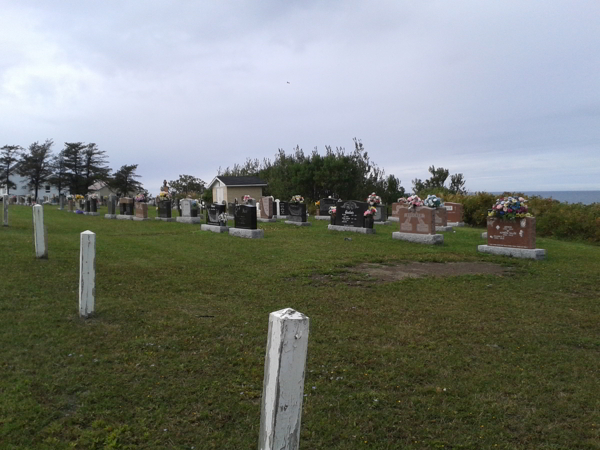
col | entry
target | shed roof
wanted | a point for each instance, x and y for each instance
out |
(238, 181)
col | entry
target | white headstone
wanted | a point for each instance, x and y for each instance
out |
(283, 386)
(5, 207)
(276, 206)
(39, 233)
(87, 273)
(186, 208)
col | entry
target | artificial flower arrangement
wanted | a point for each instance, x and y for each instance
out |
(509, 208)
(371, 210)
(374, 199)
(246, 199)
(93, 196)
(412, 202)
(140, 198)
(163, 196)
(332, 210)
(433, 201)
(318, 203)
(194, 204)
(70, 197)
(297, 199)
(222, 218)
(79, 197)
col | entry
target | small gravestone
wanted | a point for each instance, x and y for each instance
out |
(71, 205)
(141, 211)
(125, 208)
(86, 206)
(455, 214)
(381, 214)
(216, 219)
(246, 223)
(350, 216)
(165, 210)
(284, 210)
(187, 212)
(231, 209)
(418, 225)
(40, 237)
(111, 204)
(5, 208)
(266, 210)
(61, 202)
(324, 205)
(512, 238)
(93, 206)
(87, 273)
(395, 216)
(297, 214)
(441, 219)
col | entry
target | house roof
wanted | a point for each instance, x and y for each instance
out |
(238, 181)
(97, 186)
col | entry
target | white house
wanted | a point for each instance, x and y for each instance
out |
(45, 192)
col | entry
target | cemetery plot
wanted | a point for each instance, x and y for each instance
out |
(417, 225)
(350, 216)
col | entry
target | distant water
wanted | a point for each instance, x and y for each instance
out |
(585, 197)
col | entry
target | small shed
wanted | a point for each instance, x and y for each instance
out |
(230, 188)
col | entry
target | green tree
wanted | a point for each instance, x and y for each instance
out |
(186, 186)
(60, 176)
(435, 184)
(457, 184)
(73, 160)
(93, 166)
(124, 181)
(35, 165)
(9, 155)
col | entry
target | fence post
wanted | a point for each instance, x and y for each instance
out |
(87, 273)
(283, 385)
(40, 238)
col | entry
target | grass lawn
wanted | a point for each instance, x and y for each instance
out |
(174, 356)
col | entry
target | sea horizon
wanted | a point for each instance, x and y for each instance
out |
(584, 197)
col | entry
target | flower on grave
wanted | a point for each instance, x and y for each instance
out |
(510, 208)
(70, 197)
(222, 218)
(79, 197)
(162, 196)
(412, 202)
(247, 199)
(371, 210)
(140, 198)
(318, 203)
(79, 211)
(297, 199)
(433, 201)
(194, 204)
(332, 210)
(374, 199)
(93, 196)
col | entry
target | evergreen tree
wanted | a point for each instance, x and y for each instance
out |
(124, 180)
(35, 165)
(9, 155)
(93, 166)
(73, 160)
(187, 185)
(60, 176)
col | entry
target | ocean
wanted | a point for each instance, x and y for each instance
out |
(585, 197)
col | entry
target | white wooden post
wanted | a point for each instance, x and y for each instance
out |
(5, 206)
(283, 385)
(276, 206)
(39, 233)
(87, 273)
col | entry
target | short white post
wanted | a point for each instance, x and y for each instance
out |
(39, 233)
(276, 207)
(87, 273)
(5, 206)
(283, 385)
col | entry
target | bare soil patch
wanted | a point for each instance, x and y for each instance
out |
(416, 270)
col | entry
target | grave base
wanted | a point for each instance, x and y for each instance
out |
(448, 228)
(248, 234)
(165, 219)
(110, 216)
(484, 235)
(525, 253)
(382, 222)
(189, 219)
(456, 224)
(394, 219)
(352, 229)
(260, 219)
(92, 214)
(124, 217)
(281, 217)
(140, 219)
(60, 209)
(298, 224)
(214, 228)
(323, 217)
(431, 239)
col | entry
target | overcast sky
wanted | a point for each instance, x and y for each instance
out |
(505, 92)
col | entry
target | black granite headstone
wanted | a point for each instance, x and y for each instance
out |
(351, 213)
(129, 209)
(87, 206)
(284, 209)
(245, 217)
(213, 213)
(297, 212)
(164, 209)
(324, 205)
(111, 204)
(93, 205)
(231, 209)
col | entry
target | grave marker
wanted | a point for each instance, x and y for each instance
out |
(112, 204)
(455, 214)
(297, 214)
(418, 225)
(40, 237)
(87, 273)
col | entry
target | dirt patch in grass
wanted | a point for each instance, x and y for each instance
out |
(416, 270)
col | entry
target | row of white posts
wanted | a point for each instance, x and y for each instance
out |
(285, 359)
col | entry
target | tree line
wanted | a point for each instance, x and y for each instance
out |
(74, 169)
(339, 174)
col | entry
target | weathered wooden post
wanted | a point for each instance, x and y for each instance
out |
(87, 273)
(283, 385)
(40, 238)
(5, 207)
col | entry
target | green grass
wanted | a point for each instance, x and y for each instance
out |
(174, 356)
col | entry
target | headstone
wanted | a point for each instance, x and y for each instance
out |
(112, 203)
(351, 213)
(381, 213)
(71, 205)
(141, 211)
(93, 205)
(213, 213)
(61, 202)
(126, 206)
(245, 217)
(441, 219)
(418, 225)
(455, 214)
(188, 213)
(283, 385)
(297, 212)
(40, 238)
(87, 273)
(519, 233)
(324, 205)
(284, 209)
(231, 209)
(87, 206)
(5, 208)
(266, 209)
(164, 209)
